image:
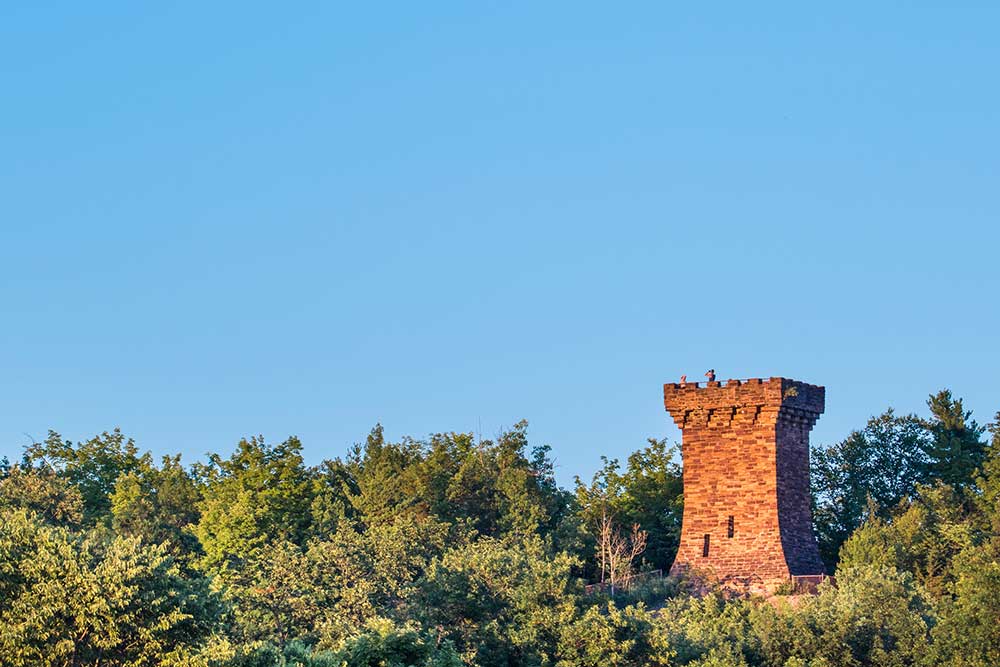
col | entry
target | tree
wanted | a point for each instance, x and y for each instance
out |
(385, 644)
(875, 616)
(874, 543)
(261, 495)
(92, 467)
(496, 487)
(872, 470)
(159, 505)
(629, 637)
(652, 497)
(501, 602)
(988, 481)
(331, 505)
(922, 538)
(617, 551)
(648, 493)
(323, 592)
(529, 500)
(43, 492)
(382, 478)
(711, 628)
(931, 531)
(71, 601)
(452, 551)
(955, 450)
(967, 632)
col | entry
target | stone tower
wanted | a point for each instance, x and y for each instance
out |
(747, 519)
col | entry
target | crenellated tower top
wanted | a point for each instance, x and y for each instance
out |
(761, 401)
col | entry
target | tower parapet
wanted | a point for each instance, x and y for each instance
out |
(745, 445)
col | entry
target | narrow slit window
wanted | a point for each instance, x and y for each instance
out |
(731, 529)
(704, 549)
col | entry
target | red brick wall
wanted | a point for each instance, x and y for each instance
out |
(746, 456)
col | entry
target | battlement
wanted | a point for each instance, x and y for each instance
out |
(774, 398)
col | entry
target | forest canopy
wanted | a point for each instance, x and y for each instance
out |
(454, 550)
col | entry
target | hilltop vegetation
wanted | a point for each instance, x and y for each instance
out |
(455, 551)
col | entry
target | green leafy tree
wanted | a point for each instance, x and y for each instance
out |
(875, 543)
(457, 550)
(43, 492)
(386, 644)
(988, 482)
(324, 592)
(955, 450)
(382, 478)
(159, 505)
(331, 505)
(710, 629)
(967, 633)
(872, 469)
(529, 500)
(279, 604)
(649, 493)
(71, 601)
(629, 637)
(653, 498)
(931, 531)
(261, 495)
(501, 602)
(923, 539)
(875, 616)
(92, 467)
(495, 487)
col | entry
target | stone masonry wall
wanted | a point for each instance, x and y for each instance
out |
(746, 480)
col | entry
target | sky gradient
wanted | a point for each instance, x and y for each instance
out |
(223, 219)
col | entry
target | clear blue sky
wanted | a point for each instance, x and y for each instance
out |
(221, 219)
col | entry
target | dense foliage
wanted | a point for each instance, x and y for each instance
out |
(456, 551)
